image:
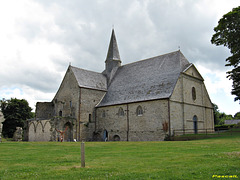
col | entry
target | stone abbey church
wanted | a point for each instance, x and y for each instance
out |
(142, 101)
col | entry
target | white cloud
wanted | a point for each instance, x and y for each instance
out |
(219, 88)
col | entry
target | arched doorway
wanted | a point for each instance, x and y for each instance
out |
(116, 138)
(195, 124)
(105, 135)
(68, 133)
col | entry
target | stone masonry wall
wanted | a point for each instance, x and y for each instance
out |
(66, 102)
(183, 106)
(89, 99)
(40, 130)
(44, 110)
(147, 127)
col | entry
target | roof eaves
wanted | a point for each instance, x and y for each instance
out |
(86, 87)
(131, 102)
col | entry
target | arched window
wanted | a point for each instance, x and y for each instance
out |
(193, 93)
(139, 111)
(60, 113)
(120, 112)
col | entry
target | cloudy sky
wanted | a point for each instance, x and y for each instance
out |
(39, 38)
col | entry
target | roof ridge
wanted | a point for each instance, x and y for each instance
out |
(84, 69)
(151, 58)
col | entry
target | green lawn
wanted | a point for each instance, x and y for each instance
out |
(199, 159)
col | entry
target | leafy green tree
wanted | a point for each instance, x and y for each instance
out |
(237, 115)
(220, 117)
(227, 33)
(15, 112)
(216, 114)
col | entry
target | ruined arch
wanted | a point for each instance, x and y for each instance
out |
(39, 131)
(47, 131)
(31, 131)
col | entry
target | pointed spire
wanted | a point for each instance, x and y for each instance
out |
(113, 61)
(113, 53)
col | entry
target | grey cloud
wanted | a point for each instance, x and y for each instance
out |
(143, 28)
(39, 79)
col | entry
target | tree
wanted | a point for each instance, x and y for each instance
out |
(216, 114)
(15, 112)
(227, 33)
(237, 116)
(220, 117)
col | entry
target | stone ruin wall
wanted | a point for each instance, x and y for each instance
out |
(40, 130)
(44, 110)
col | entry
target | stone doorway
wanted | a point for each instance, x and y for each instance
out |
(105, 135)
(195, 124)
(116, 138)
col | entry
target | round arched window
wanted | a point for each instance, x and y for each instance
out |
(120, 112)
(139, 111)
(193, 93)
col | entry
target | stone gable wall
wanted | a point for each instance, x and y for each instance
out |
(66, 104)
(183, 107)
(67, 97)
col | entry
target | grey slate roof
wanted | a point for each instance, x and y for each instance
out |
(113, 53)
(149, 79)
(90, 79)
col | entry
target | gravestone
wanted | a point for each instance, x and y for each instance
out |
(1, 125)
(17, 136)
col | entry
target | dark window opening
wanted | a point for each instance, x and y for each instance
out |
(60, 113)
(90, 118)
(193, 93)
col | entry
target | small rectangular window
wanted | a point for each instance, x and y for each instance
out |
(70, 104)
(90, 118)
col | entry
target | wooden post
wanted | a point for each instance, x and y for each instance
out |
(82, 155)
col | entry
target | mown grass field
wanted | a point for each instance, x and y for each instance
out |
(198, 159)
